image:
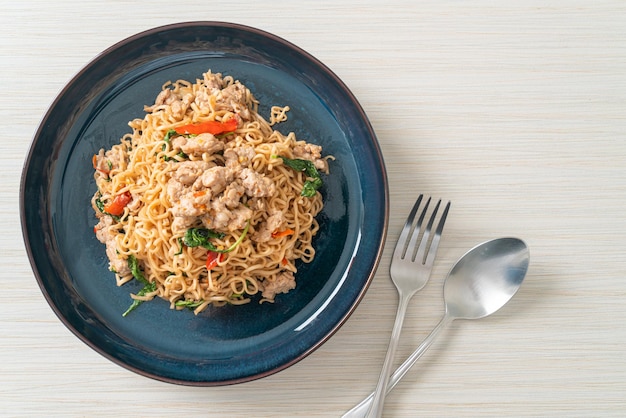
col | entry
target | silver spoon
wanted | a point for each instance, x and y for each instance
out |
(479, 284)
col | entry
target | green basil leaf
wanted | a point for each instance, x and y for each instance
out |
(199, 237)
(148, 288)
(314, 182)
(168, 136)
(100, 203)
(191, 304)
(195, 237)
(133, 265)
(180, 247)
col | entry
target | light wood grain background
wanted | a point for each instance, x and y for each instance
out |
(516, 111)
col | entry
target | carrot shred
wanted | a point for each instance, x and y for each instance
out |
(283, 233)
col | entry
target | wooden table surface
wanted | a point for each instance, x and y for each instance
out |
(515, 111)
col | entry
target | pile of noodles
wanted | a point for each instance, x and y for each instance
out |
(178, 272)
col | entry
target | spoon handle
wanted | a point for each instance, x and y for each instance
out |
(361, 409)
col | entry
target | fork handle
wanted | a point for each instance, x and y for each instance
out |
(376, 409)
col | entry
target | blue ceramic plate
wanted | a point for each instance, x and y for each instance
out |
(223, 345)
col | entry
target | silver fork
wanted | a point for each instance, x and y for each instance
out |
(411, 264)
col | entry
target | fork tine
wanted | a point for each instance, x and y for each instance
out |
(434, 245)
(402, 243)
(421, 250)
(416, 231)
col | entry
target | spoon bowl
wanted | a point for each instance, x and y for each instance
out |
(479, 284)
(485, 278)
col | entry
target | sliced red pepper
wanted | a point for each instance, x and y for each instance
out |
(116, 208)
(212, 258)
(212, 127)
(282, 233)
